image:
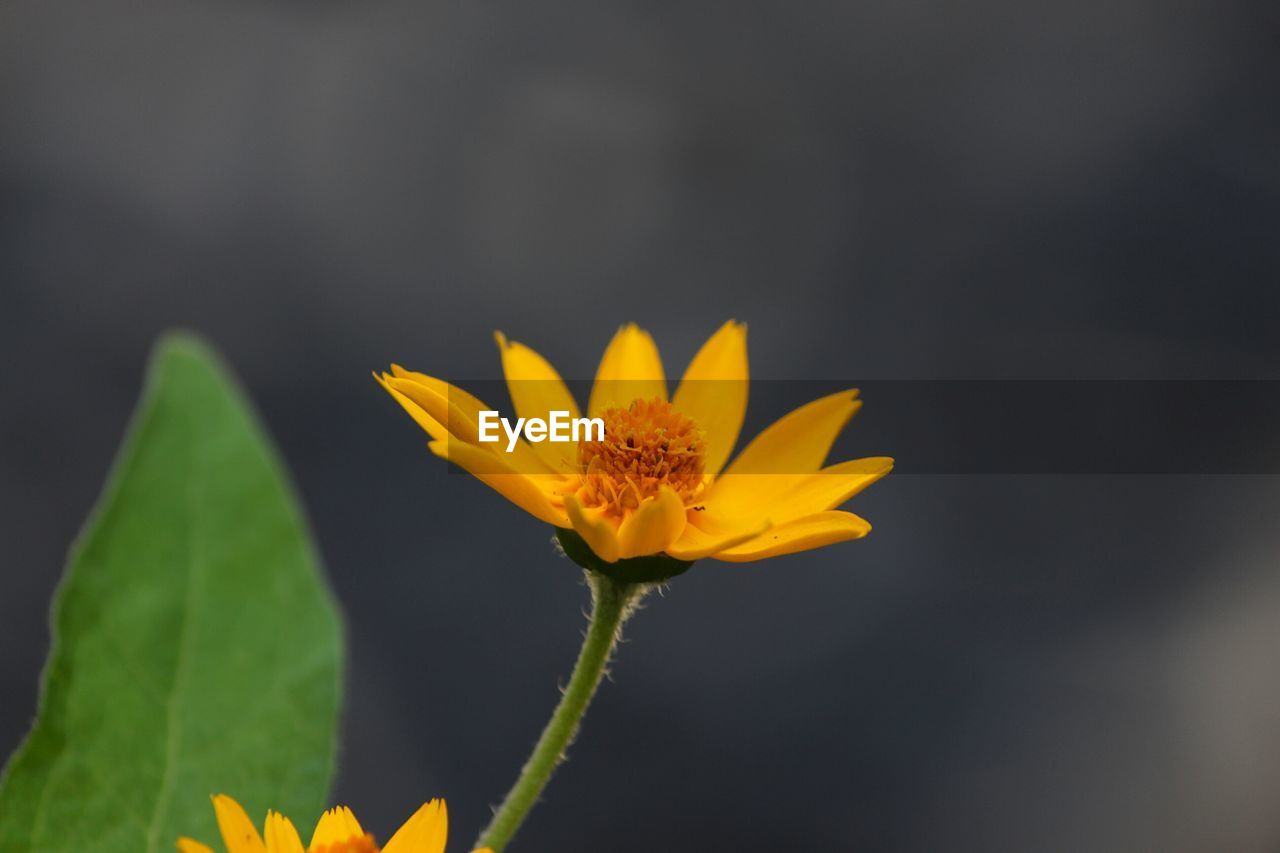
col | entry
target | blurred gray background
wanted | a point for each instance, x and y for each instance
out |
(891, 190)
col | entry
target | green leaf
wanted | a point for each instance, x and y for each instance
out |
(196, 647)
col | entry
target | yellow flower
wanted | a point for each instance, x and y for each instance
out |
(658, 483)
(337, 832)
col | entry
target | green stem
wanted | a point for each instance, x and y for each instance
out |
(611, 601)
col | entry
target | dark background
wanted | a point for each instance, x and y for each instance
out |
(893, 190)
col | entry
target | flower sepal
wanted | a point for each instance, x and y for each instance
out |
(654, 568)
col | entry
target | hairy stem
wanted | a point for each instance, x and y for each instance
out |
(611, 603)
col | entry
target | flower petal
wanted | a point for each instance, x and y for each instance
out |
(595, 528)
(238, 832)
(828, 488)
(713, 392)
(778, 459)
(697, 541)
(445, 410)
(336, 826)
(631, 369)
(801, 534)
(461, 421)
(282, 837)
(547, 391)
(459, 397)
(537, 390)
(187, 845)
(430, 425)
(798, 442)
(533, 493)
(652, 526)
(783, 497)
(425, 832)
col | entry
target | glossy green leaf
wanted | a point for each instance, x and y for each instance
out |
(196, 647)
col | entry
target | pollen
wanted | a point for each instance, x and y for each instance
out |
(356, 844)
(646, 446)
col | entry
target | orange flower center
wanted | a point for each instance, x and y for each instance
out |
(646, 446)
(355, 844)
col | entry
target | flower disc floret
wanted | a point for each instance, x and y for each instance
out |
(646, 445)
(355, 844)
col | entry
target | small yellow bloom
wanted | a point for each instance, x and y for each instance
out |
(657, 484)
(337, 832)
